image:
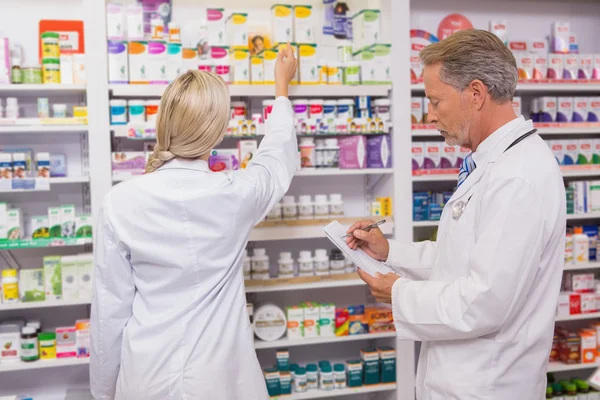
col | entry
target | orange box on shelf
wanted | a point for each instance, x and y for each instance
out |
(588, 346)
(379, 319)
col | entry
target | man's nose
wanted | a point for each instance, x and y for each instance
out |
(432, 118)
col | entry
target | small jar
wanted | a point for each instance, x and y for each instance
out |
(290, 210)
(33, 75)
(336, 205)
(208, 66)
(321, 206)
(320, 153)
(260, 261)
(316, 108)
(239, 109)
(35, 324)
(321, 262)
(152, 110)
(312, 376)
(10, 286)
(339, 371)
(43, 107)
(383, 109)
(47, 345)
(334, 73)
(246, 263)
(300, 107)
(307, 153)
(275, 213)
(305, 264)
(29, 344)
(174, 32)
(305, 208)
(59, 110)
(267, 107)
(352, 73)
(51, 70)
(137, 111)
(118, 112)
(350, 267)
(326, 379)
(329, 109)
(332, 153)
(345, 108)
(337, 262)
(50, 45)
(286, 265)
(300, 380)
(12, 108)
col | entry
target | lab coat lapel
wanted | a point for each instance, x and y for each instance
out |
(471, 180)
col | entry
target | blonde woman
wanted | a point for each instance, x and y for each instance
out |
(169, 316)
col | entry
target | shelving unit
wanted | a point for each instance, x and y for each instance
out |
(554, 87)
(322, 394)
(578, 317)
(43, 304)
(283, 343)
(34, 129)
(42, 364)
(561, 367)
(43, 88)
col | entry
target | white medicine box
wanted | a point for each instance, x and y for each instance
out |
(304, 24)
(240, 66)
(366, 26)
(118, 66)
(70, 280)
(308, 73)
(237, 30)
(295, 317)
(281, 23)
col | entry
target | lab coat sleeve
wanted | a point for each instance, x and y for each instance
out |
(276, 161)
(412, 260)
(112, 300)
(500, 272)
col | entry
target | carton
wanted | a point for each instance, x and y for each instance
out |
(82, 338)
(563, 306)
(586, 66)
(548, 109)
(366, 28)
(14, 224)
(83, 226)
(269, 57)
(85, 275)
(370, 360)
(383, 62)
(540, 66)
(215, 19)
(387, 360)
(237, 30)
(32, 285)
(418, 156)
(596, 67)
(67, 220)
(516, 104)
(366, 59)
(588, 303)
(582, 283)
(257, 70)
(379, 152)
(39, 227)
(353, 152)
(240, 66)
(327, 320)
(571, 152)
(596, 156)
(139, 62)
(66, 342)
(189, 59)
(118, 65)
(416, 110)
(569, 348)
(174, 61)
(70, 278)
(379, 319)
(54, 222)
(308, 64)
(311, 319)
(304, 24)
(282, 23)
(570, 66)
(157, 62)
(433, 156)
(53, 277)
(565, 109)
(586, 152)
(560, 37)
(499, 28)
(555, 66)
(6, 169)
(588, 345)
(525, 65)
(594, 110)
(449, 157)
(247, 149)
(580, 109)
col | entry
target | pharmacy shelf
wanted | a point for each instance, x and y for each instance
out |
(35, 89)
(566, 173)
(435, 178)
(327, 394)
(571, 130)
(69, 179)
(578, 317)
(561, 367)
(575, 87)
(10, 129)
(344, 172)
(326, 284)
(43, 304)
(305, 229)
(421, 224)
(592, 215)
(41, 243)
(7, 366)
(321, 340)
(263, 90)
(581, 173)
(579, 267)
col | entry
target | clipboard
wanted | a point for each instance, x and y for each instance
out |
(335, 232)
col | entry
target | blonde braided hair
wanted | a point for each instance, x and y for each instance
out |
(192, 118)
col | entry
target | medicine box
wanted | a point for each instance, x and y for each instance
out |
(418, 155)
(540, 66)
(118, 66)
(586, 66)
(366, 59)
(115, 21)
(383, 62)
(366, 28)
(70, 281)
(586, 152)
(134, 14)
(370, 360)
(570, 66)
(14, 224)
(565, 109)
(525, 64)
(67, 220)
(433, 156)
(295, 322)
(83, 226)
(353, 152)
(387, 359)
(282, 23)
(555, 66)
(54, 222)
(580, 109)
(240, 66)
(278, 46)
(594, 110)
(548, 109)
(588, 303)
(174, 61)
(449, 157)
(560, 37)
(215, 18)
(327, 320)
(85, 275)
(416, 110)
(247, 150)
(6, 169)
(311, 319)
(139, 62)
(308, 64)
(236, 27)
(304, 24)
(283, 359)
(499, 28)
(596, 67)
(354, 373)
(3, 221)
(189, 59)
(582, 283)
(563, 307)
(379, 151)
(66, 342)
(588, 345)
(83, 338)
(571, 151)
(53, 277)
(157, 62)
(257, 70)
(269, 57)
(32, 285)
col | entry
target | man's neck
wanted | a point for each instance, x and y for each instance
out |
(500, 116)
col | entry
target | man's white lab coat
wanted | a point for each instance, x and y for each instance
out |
(483, 297)
(169, 316)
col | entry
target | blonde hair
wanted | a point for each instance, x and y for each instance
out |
(475, 54)
(192, 118)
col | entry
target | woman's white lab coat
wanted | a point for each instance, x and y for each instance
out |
(169, 316)
(483, 298)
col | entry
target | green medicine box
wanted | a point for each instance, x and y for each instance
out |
(354, 373)
(283, 360)
(272, 379)
(387, 358)
(370, 359)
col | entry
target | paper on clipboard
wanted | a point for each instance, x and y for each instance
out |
(335, 232)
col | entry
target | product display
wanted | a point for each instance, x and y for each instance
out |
(321, 208)
(438, 157)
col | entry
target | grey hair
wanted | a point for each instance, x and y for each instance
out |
(475, 54)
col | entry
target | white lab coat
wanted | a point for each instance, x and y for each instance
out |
(483, 297)
(169, 316)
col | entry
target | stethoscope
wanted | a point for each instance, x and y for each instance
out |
(459, 208)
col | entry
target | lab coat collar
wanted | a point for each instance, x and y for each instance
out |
(181, 163)
(491, 148)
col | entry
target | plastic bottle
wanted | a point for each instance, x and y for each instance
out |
(152, 110)
(382, 109)
(12, 108)
(300, 107)
(290, 210)
(326, 379)
(558, 390)
(336, 205)
(307, 152)
(312, 376)
(246, 265)
(286, 265)
(337, 262)
(321, 206)
(306, 265)
(345, 108)
(329, 109)
(320, 153)
(332, 153)
(549, 394)
(260, 264)
(300, 380)
(570, 391)
(305, 208)
(275, 213)
(321, 262)
(10, 286)
(581, 246)
(118, 115)
(29, 344)
(339, 371)
(316, 108)
(137, 111)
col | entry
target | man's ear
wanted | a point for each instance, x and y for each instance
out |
(478, 93)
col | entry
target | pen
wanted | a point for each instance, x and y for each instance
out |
(366, 228)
